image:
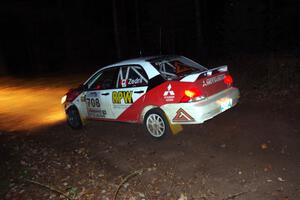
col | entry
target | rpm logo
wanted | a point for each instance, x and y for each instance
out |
(126, 96)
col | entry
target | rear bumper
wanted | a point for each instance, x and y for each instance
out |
(198, 112)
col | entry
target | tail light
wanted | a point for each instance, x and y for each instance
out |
(228, 79)
(72, 94)
(192, 95)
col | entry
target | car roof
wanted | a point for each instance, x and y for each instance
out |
(141, 60)
(133, 61)
(144, 61)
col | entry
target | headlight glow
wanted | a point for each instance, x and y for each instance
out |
(32, 105)
(63, 99)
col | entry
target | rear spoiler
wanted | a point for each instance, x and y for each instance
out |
(209, 72)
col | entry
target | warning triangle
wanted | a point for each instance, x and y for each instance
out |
(182, 116)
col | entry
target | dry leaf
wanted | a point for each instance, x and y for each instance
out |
(264, 146)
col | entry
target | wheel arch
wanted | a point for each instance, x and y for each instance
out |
(147, 109)
(74, 106)
(71, 106)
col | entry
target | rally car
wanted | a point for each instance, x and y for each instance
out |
(157, 91)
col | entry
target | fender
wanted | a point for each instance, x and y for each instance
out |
(145, 110)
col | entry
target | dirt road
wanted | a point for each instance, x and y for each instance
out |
(249, 152)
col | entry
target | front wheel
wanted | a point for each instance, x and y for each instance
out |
(156, 124)
(73, 118)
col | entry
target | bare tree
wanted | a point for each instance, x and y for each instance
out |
(116, 29)
(137, 24)
(200, 41)
(2, 64)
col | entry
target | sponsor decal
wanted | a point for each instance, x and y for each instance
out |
(182, 116)
(135, 81)
(92, 102)
(97, 113)
(123, 82)
(126, 96)
(93, 108)
(92, 94)
(169, 94)
(212, 80)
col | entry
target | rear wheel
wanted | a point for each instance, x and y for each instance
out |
(156, 124)
(73, 118)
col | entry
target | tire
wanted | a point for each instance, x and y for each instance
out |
(156, 124)
(73, 118)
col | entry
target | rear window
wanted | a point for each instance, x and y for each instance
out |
(172, 68)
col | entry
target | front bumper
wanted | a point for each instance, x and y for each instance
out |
(198, 112)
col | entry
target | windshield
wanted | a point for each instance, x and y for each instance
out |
(172, 68)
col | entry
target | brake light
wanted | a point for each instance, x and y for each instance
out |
(192, 95)
(72, 94)
(228, 79)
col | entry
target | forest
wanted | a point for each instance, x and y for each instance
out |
(49, 36)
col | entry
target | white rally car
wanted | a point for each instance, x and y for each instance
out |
(156, 91)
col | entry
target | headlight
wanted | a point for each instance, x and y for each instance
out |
(63, 99)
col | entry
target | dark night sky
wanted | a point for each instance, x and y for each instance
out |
(46, 36)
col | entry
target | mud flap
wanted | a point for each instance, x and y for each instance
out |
(175, 128)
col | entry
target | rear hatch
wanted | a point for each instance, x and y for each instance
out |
(195, 79)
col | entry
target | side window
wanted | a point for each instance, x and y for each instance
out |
(131, 76)
(137, 77)
(122, 77)
(106, 80)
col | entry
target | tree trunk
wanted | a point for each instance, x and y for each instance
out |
(116, 29)
(200, 42)
(137, 25)
(2, 64)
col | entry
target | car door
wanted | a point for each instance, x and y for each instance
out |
(132, 83)
(99, 94)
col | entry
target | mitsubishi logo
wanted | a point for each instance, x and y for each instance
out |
(169, 94)
(169, 91)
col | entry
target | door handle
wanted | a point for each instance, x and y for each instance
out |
(105, 94)
(138, 92)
